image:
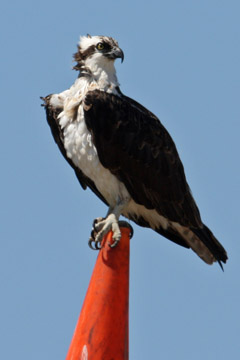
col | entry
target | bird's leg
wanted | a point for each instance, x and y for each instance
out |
(101, 226)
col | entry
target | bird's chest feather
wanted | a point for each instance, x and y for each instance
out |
(79, 146)
(81, 150)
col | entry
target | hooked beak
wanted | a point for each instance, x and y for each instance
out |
(116, 53)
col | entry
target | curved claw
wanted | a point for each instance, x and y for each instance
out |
(93, 234)
(90, 243)
(98, 245)
(114, 244)
(126, 224)
(94, 245)
(95, 223)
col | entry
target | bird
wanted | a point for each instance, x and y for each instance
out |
(122, 152)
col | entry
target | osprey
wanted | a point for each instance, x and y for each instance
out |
(122, 152)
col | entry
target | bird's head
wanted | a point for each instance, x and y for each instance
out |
(96, 52)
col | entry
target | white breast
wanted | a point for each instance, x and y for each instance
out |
(78, 142)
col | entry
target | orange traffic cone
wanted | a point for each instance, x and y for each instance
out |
(102, 328)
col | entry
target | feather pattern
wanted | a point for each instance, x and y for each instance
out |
(119, 149)
(138, 150)
(133, 144)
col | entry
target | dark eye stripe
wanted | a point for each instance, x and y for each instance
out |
(103, 46)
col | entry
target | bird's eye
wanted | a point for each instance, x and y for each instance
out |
(100, 46)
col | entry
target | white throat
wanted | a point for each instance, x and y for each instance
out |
(103, 72)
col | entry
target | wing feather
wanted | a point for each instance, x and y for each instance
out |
(133, 144)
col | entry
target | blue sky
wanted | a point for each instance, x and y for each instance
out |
(182, 62)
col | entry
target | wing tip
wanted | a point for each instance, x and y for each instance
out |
(214, 246)
(222, 260)
(221, 265)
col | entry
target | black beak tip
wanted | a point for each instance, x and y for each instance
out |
(122, 55)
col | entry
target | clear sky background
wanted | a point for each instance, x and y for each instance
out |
(182, 62)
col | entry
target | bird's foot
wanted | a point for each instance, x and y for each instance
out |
(101, 226)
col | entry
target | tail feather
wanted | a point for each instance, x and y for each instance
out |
(209, 240)
(203, 243)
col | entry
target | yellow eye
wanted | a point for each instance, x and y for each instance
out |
(100, 46)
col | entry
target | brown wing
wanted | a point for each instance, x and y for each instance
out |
(133, 144)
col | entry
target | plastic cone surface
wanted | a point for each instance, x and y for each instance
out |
(102, 328)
